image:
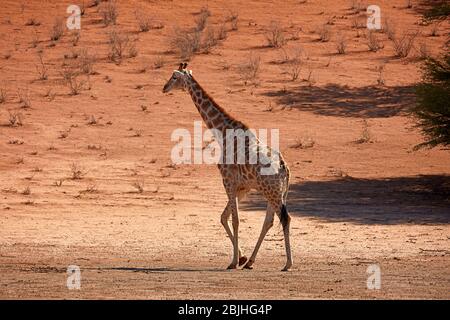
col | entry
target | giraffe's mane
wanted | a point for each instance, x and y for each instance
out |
(216, 105)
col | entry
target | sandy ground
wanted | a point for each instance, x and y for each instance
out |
(353, 204)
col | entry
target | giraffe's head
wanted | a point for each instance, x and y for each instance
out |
(178, 79)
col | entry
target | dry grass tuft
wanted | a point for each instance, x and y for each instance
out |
(404, 43)
(373, 42)
(275, 35)
(108, 12)
(341, 44)
(57, 29)
(249, 69)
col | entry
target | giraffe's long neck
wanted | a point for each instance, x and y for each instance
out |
(212, 114)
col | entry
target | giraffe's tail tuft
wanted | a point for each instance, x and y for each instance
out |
(284, 216)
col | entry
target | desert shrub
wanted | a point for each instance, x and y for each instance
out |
(294, 63)
(86, 61)
(250, 67)
(120, 45)
(438, 10)
(77, 172)
(209, 39)
(232, 18)
(432, 109)
(341, 44)
(185, 42)
(57, 29)
(41, 68)
(72, 81)
(2, 95)
(389, 28)
(324, 33)
(404, 43)
(15, 119)
(202, 18)
(373, 42)
(108, 12)
(275, 35)
(159, 62)
(365, 136)
(24, 97)
(222, 32)
(423, 51)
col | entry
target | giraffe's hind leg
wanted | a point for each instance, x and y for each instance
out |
(268, 223)
(286, 221)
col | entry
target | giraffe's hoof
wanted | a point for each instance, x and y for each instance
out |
(248, 265)
(242, 260)
(286, 268)
(232, 266)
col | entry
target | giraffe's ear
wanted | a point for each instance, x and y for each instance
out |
(185, 65)
(180, 68)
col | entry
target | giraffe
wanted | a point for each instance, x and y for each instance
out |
(239, 178)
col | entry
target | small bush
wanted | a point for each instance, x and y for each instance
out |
(70, 77)
(57, 30)
(41, 68)
(159, 62)
(373, 42)
(202, 18)
(24, 97)
(139, 185)
(275, 35)
(250, 68)
(233, 19)
(86, 61)
(15, 119)
(108, 12)
(365, 134)
(324, 33)
(341, 44)
(432, 110)
(2, 95)
(186, 43)
(77, 171)
(404, 43)
(120, 45)
(209, 39)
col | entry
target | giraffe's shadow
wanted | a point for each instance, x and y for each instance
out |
(421, 199)
(163, 269)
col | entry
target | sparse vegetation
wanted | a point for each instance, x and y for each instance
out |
(70, 78)
(185, 42)
(77, 172)
(2, 95)
(120, 45)
(108, 12)
(341, 44)
(233, 19)
(15, 119)
(373, 42)
(275, 35)
(86, 61)
(303, 143)
(249, 69)
(202, 18)
(380, 71)
(404, 43)
(365, 134)
(24, 97)
(324, 33)
(41, 68)
(432, 110)
(139, 185)
(57, 29)
(159, 62)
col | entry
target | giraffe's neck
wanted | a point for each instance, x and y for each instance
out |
(212, 114)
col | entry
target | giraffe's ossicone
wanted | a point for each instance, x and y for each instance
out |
(269, 174)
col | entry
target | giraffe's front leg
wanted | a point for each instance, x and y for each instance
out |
(224, 220)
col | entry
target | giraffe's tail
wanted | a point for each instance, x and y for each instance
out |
(284, 216)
